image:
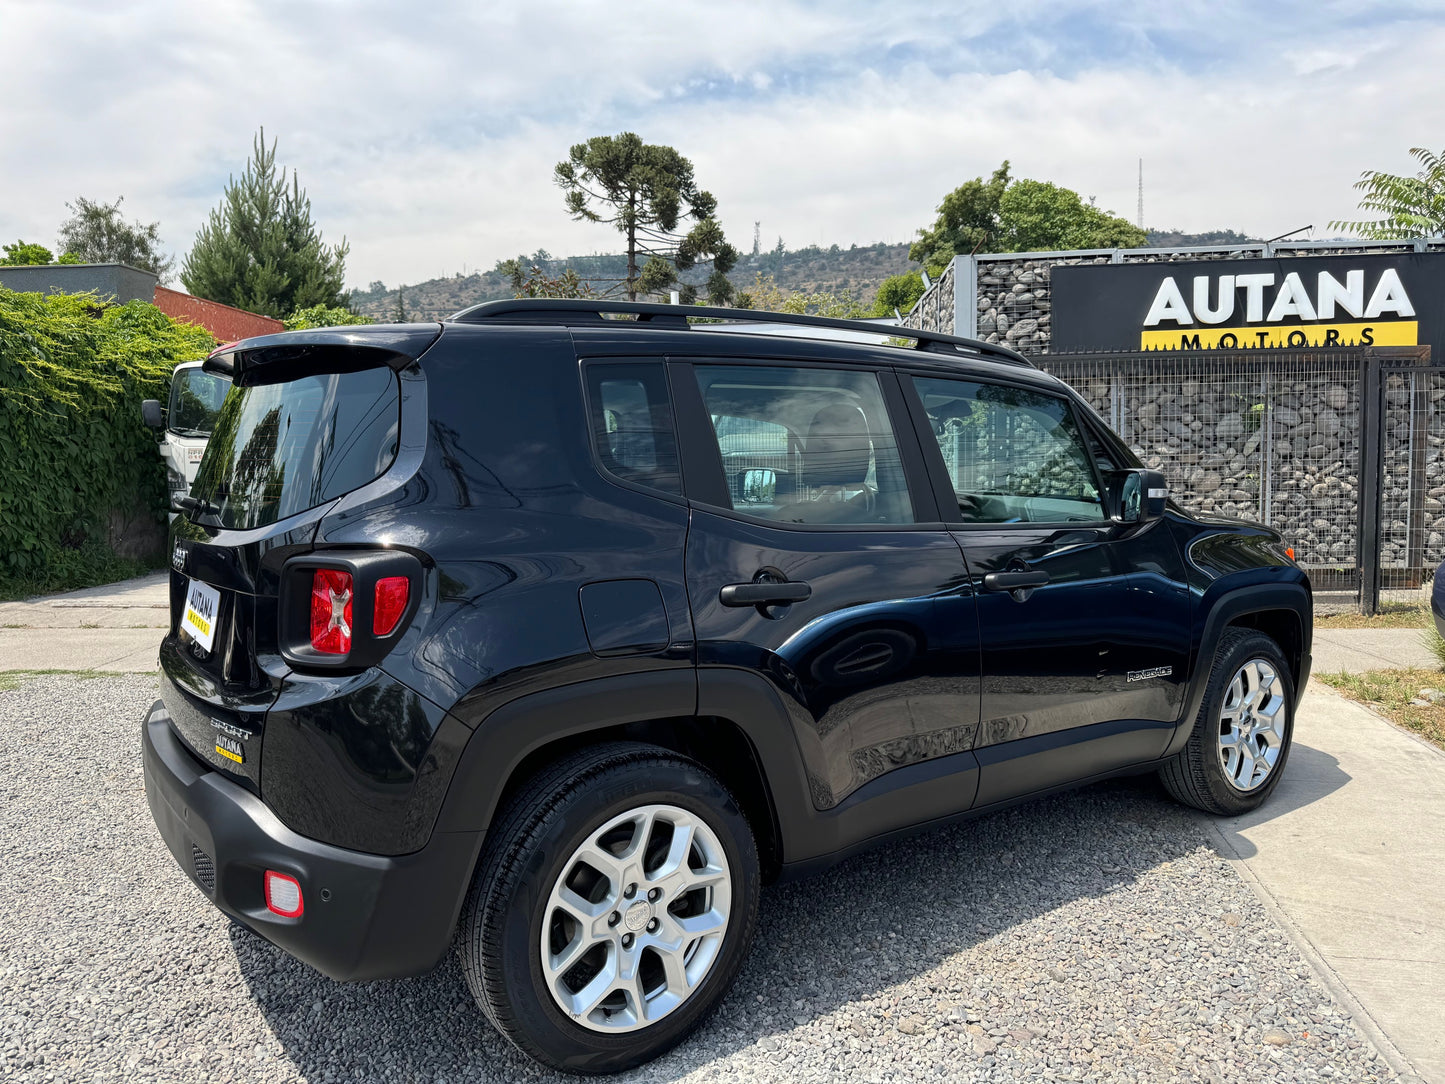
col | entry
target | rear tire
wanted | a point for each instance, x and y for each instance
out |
(1243, 732)
(613, 907)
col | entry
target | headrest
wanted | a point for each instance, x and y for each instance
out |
(837, 451)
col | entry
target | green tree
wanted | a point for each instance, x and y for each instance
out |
(98, 233)
(536, 282)
(767, 296)
(967, 222)
(260, 250)
(399, 315)
(1037, 216)
(1005, 215)
(1409, 206)
(647, 192)
(899, 292)
(322, 316)
(23, 253)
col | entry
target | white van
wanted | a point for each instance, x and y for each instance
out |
(186, 423)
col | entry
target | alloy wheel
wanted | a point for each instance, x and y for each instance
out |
(1252, 720)
(636, 919)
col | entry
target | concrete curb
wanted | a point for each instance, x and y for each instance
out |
(1331, 981)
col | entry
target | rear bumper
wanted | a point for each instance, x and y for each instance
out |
(365, 916)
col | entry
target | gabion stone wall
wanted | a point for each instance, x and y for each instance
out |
(1277, 440)
(934, 311)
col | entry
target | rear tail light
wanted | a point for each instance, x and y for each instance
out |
(392, 594)
(331, 611)
(283, 895)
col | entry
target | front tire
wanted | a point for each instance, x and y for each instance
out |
(1243, 732)
(613, 907)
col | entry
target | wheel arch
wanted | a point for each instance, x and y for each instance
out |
(728, 725)
(1282, 611)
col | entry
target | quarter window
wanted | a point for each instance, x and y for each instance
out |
(632, 424)
(807, 446)
(1014, 455)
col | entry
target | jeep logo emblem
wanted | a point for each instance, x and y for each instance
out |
(178, 558)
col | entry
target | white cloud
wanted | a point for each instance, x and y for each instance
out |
(427, 135)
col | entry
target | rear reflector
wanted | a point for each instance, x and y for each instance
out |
(392, 593)
(283, 895)
(331, 611)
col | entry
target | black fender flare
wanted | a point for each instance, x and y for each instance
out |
(509, 734)
(1226, 608)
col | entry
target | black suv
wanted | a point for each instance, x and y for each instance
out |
(553, 631)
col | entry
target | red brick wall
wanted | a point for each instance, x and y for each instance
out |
(227, 324)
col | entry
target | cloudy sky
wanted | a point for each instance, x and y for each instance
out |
(426, 133)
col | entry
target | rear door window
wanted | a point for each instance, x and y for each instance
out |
(279, 449)
(805, 445)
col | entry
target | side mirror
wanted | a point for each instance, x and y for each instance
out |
(152, 414)
(759, 486)
(1135, 495)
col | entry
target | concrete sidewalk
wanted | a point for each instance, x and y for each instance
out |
(1349, 852)
(116, 627)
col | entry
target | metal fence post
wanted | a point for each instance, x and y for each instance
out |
(1372, 446)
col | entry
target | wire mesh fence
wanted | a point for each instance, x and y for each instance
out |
(1277, 438)
(1412, 489)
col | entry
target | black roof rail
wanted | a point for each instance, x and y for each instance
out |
(571, 312)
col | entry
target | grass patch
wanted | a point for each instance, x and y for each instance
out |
(90, 566)
(1390, 691)
(1394, 615)
(13, 679)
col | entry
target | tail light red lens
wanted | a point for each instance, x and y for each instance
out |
(331, 611)
(283, 895)
(392, 594)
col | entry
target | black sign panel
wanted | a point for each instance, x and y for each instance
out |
(1344, 300)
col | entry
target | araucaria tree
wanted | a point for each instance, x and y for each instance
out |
(1410, 206)
(98, 233)
(260, 250)
(648, 194)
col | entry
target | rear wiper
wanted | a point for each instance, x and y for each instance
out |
(196, 506)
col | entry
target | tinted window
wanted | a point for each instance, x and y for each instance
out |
(805, 445)
(196, 398)
(1013, 455)
(632, 423)
(279, 449)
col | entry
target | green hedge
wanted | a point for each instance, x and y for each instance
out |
(75, 457)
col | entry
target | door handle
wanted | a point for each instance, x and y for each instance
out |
(1013, 581)
(765, 594)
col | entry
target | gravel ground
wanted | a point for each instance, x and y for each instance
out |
(1093, 936)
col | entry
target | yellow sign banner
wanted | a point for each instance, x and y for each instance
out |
(1377, 333)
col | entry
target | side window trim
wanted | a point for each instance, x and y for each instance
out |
(938, 469)
(705, 482)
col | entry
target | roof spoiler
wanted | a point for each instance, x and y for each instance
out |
(577, 313)
(269, 359)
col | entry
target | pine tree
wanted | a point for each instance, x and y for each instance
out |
(649, 190)
(260, 250)
(399, 317)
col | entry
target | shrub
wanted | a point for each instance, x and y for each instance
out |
(322, 316)
(79, 466)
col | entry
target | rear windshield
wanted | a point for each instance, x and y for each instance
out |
(279, 449)
(196, 398)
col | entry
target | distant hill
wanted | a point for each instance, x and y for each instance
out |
(1180, 239)
(859, 270)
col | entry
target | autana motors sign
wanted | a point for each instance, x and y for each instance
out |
(1345, 300)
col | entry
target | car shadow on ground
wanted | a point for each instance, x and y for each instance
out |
(841, 937)
(1310, 775)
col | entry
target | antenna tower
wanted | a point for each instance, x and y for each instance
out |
(757, 236)
(1140, 223)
